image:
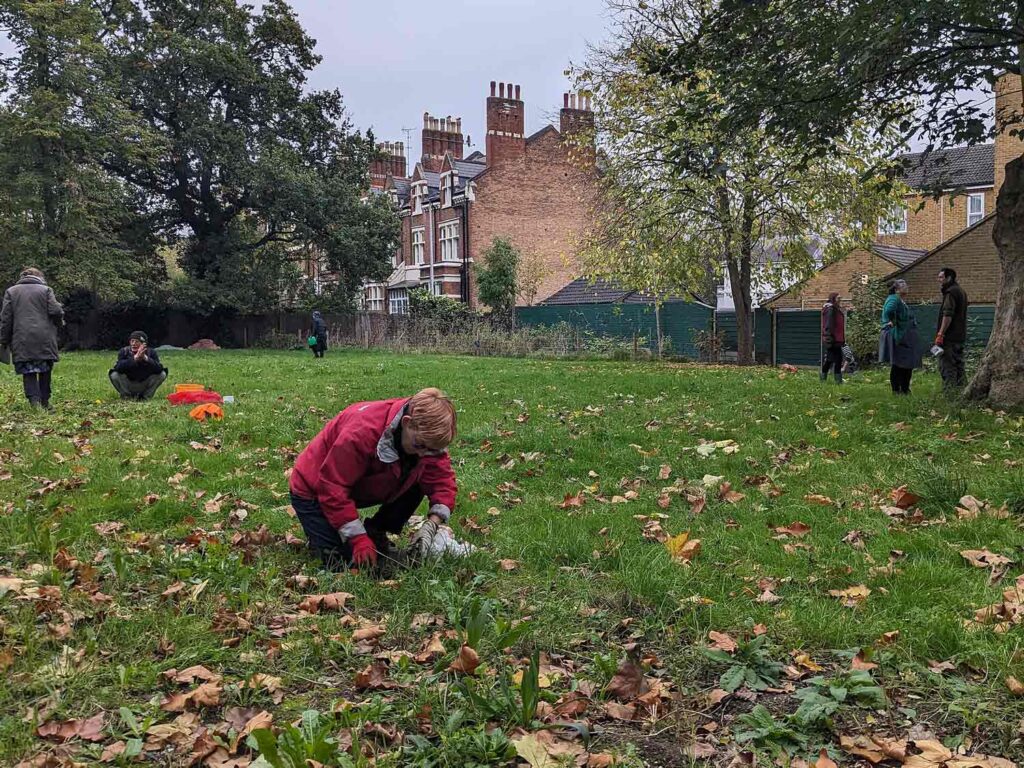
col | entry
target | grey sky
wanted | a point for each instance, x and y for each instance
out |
(393, 60)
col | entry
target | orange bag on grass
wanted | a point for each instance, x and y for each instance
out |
(207, 410)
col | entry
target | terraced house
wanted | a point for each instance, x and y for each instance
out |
(536, 191)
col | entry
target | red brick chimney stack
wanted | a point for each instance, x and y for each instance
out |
(506, 119)
(576, 113)
(390, 159)
(441, 135)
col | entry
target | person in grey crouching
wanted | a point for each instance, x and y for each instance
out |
(138, 373)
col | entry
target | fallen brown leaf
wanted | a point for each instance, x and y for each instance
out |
(628, 682)
(722, 641)
(466, 662)
(333, 602)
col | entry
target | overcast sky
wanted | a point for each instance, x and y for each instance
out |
(393, 60)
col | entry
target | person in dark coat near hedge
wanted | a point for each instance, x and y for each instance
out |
(833, 335)
(29, 319)
(320, 331)
(138, 373)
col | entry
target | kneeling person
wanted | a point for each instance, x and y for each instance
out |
(390, 453)
(137, 374)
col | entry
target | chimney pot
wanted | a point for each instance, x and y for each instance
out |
(517, 93)
(492, 87)
(458, 125)
(426, 119)
(565, 101)
(501, 90)
(572, 101)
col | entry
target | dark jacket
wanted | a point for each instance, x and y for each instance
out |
(29, 319)
(954, 305)
(319, 326)
(137, 370)
(833, 325)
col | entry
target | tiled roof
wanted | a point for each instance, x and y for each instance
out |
(901, 257)
(468, 169)
(950, 168)
(583, 290)
(540, 133)
(476, 157)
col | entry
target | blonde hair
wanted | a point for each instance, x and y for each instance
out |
(32, 272)
(433, 417)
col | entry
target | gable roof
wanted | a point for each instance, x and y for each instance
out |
(468, 169)
(476, 157)
(545, 130)
(972, 166)
(941, 247)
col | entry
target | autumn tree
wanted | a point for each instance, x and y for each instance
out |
(686, 200)
(809, 71)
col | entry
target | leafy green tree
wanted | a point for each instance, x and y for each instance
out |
(249, 164)
(496, 281)
(687, 199)
(58, 209)
(811, 70)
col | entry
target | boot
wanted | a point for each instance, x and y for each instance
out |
(839, 377)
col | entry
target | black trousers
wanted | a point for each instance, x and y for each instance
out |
(952, 367)
(320, 347)
(833, 360)
(37, 387)
(899, 379)
(324, 539)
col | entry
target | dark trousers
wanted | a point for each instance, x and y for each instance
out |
(37, 387)
(320, 347)
(324, 539)
(951, 366)
(899, 379)
(833, 360)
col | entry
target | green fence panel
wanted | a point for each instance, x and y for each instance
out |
(798, 337)
(726, 323)
(979, 325)
(680, 322)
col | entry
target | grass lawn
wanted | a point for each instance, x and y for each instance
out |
(571, 476)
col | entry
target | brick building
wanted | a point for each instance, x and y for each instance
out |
(536, 191)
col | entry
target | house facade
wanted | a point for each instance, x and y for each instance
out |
(536, 191)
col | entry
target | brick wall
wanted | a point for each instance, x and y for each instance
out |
(931, 222)
(1008, 110)
(837, 276)
(973, 256)
(541, 202)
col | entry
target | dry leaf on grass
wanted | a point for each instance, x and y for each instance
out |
(982, 558)
(333, 602)
(374, 677)
(1014, 686)
(572, 500)
(508, 565)
(466, 662)
(722, 642)
(874, 749)
(90, 729)
(206, 695)
(796, 528)
(369, 633)
(817, 498)
(664, 472)
(903, 498)
(851, 597)
(682, 548)
(628, 682)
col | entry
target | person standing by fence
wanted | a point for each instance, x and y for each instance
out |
(28, 327)
(833, 336)
(952, 331)
(319, 334)
(899, 342)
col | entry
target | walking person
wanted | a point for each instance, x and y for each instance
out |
(900, 338)
(952, 331)
(29, 320)
(138, 373)
(833, 336)
(320, 334)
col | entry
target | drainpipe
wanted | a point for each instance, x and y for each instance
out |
(430, 224)
(465, 250)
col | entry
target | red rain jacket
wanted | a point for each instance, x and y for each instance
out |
(353, 464)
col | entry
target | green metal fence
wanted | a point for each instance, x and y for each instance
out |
(681, 322)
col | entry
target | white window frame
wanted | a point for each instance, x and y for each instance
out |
(446, 190)
(450, 232)
(398, 301)
(418, 246)
(375, 298)
(418, 193)
(889, 225)
(973, 217)
(436, 288)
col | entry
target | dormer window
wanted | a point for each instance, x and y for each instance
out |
(419, 191)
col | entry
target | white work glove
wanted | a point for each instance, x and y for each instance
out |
(423, 540)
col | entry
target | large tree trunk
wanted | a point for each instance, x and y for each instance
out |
(1000, 376)
(744, 313)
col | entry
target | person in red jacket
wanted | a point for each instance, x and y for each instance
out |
(833, 336)
(390, 453)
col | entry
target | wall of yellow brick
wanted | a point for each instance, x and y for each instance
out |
(930, 221)
(975, 260)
